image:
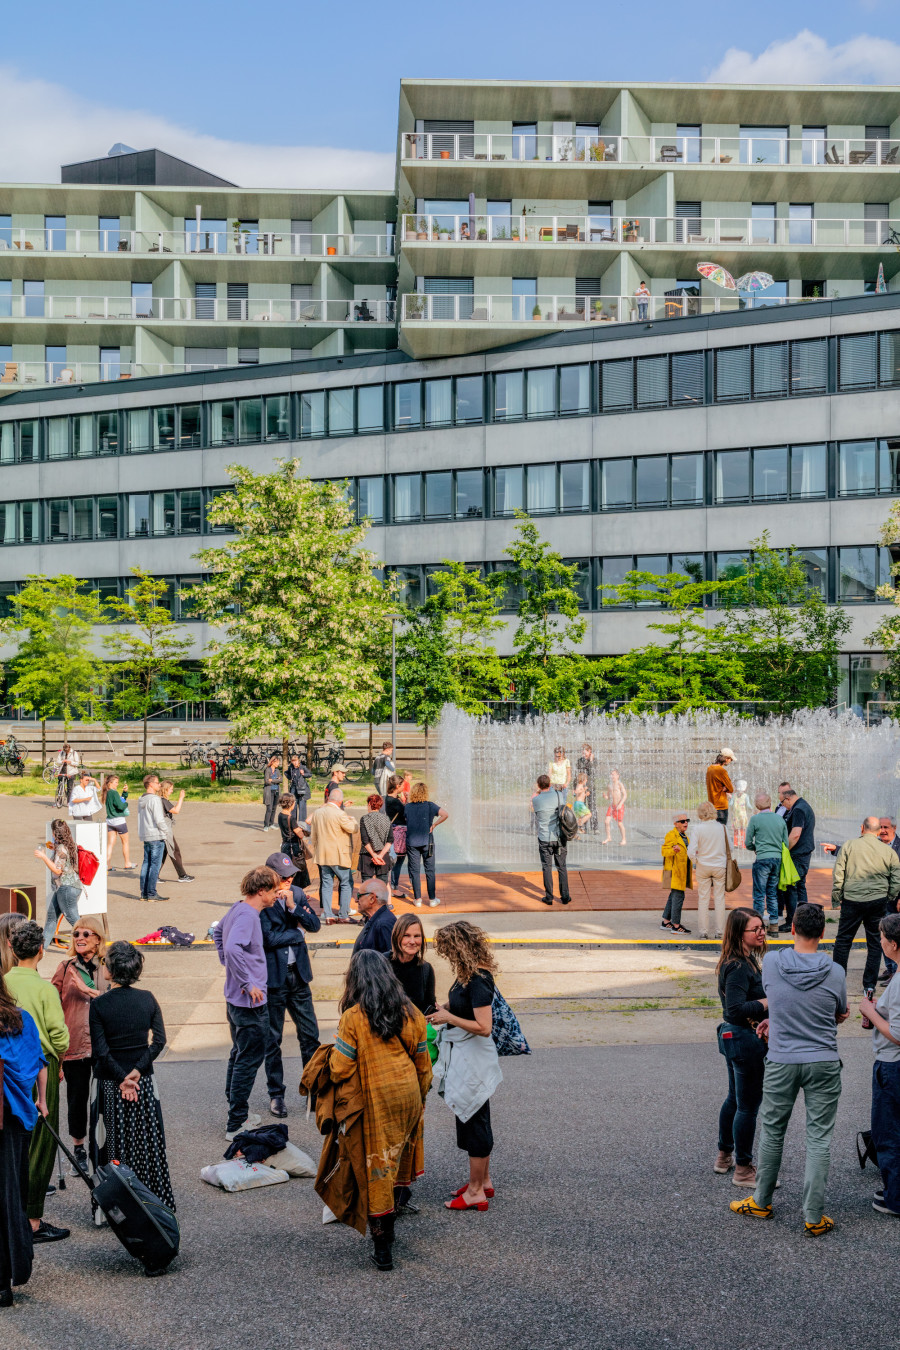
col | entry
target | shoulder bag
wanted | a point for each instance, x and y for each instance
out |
(732, 871)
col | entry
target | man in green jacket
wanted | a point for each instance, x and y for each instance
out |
(866, 880)
(39, 997)
(766, 834)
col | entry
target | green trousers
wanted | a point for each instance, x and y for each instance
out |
(42, 1149)
(821, 1087)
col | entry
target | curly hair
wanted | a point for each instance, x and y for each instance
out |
(467, 948)
(62, 836)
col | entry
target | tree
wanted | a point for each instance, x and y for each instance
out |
(299, 602)
(790, 637)
(546, 666)
(465, 608)
(886, 635)
(148, 652)
(55, 673)
(425, 676)
(699, 666)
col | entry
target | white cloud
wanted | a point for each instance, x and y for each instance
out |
(807, 58)
(53, 126)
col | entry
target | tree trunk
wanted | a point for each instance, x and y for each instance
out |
(309, 748)
(371, 760)
(426, 749)
(144, 751)
(43, 743)
(284, 762)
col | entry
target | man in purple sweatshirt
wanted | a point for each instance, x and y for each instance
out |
(239, 942)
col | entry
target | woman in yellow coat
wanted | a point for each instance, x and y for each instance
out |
(676, 873)
(381, 1036)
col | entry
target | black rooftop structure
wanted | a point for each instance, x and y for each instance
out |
(141, 168)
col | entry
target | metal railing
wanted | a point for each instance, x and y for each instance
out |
(603, 147)
(571, 309)
(688, 232)
(189, 309)
(15, 373)
(231, 243)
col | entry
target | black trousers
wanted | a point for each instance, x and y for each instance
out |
(475, 1136)
(77, 1073)
(249, 1041)
(554, 852)
(174, 852)
(270, 800)
(295, 997)
(869, 915)
(418, 854)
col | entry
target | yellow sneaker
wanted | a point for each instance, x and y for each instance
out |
(819, 1229)
(750, 1209)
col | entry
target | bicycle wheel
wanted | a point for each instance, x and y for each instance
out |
(15, 765)
(356, 770)
(223, 774)
(62, 793)
(184, 759)
(49, 774)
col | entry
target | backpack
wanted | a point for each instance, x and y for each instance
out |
(88, 865)
(568, 821)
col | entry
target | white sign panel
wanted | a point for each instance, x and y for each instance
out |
(92, 836)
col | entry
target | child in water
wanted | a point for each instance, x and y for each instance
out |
(581, 805)
(740, 812)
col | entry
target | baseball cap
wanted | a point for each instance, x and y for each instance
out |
(281, 865)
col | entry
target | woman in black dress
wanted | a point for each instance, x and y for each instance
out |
(743, 1005)
(126, 1117)
(408, 962)
(375, 838)
(23, 1067)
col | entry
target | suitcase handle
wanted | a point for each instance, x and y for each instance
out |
(85, 1176)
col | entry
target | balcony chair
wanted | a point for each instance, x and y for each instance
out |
(892, 155)
(669, 154)
(66, 376)
(24, 243)
(603, 235)
(573, 234)
(11, 373)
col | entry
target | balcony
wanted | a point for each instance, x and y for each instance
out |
(216, 243)
(16, 374)
(32, 309)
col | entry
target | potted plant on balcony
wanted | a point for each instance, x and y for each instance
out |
(415, 306)
(515, 233)
(536, 312)
(407, 209)
(482, 233)
(630, 231)
(422, 232)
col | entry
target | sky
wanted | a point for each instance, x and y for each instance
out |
(305, 95)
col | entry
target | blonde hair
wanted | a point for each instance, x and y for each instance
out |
(7, 956)
(87, 921)
(466, 947)
(706, 811)
(419, 792)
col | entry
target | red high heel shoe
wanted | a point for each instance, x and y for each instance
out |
(488, 1190)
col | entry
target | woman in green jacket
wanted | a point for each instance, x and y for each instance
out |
(116, 804)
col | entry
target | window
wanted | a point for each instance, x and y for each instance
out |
(58, 519)
(500, 223)
(617, 492)
(813, 145)
(524, 297)
(190, 423)
(574, 487)
(612, 573)
(762, 224)
(55, 233)
(278, 416)
(142, 299)
(657, 564)
(652, 480)
(770, 370)
(814, 562)
(524, 140)
(250, 421)
(512, 594)
(370, 499)
(689, 143)
(109, 234)
(33, 292)
(542, 392)
(469, 494)
(58, 438)
(509, 395)
(808, 471)
(312, 414)
(407, 404)
(438, 403)
(110, 363)
(138, 430)
(163, 428)
(370, 407)
(409, 584)
(7, 442)
(687, 379)
(407, 496)
(888, 360)
(82, 518)
(55, 361)
(858, 576)
(236, 296)
(190, 511)
(509, 490)
(889, 466)
(210, 237)
(809, 366)
(340, 412)
(541, 495)
(438, 496)
(204, 300)
(581, 580)
(763, 145)
(139, 514)
(687, 480)
(29, 522)
(6, 304)
(652, 381)
(732, 374)
(617, 380)
(6, 230)
(770, 474)
(221, 423)
(800, 229)
(858, 473)
(730, 566)
(732, 476)
(469, 399)
(83, 439)
(574, 390)
(107, 517)
(857, 361)
(690, 565)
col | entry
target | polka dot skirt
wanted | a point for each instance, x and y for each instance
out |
(131, 1133)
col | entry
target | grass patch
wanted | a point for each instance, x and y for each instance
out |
(244, 787)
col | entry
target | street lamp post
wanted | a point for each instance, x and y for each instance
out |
(394, 618)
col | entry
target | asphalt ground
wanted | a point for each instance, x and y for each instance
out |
(609, 1232)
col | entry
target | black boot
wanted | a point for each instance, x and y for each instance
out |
(382, 1237)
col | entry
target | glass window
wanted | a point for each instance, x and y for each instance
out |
(687, 480)
(312, 414)
(33, 292)
(508, 395)
(652, 381)
(575, 487)
(809, 366)
(29, 522)
(858, 575)
(187, 598)
(58, 519)
(814, 562)
(58, 438)
(808, 470)
(729, 566)
(7, 442)
(410, 584)
(574, 390)
(407, 496)
(858, 468)
(6, 306)
(770, 370)
(163, 428)
(469, 494)
(221, 423)
(108, 433)
(438, 495)
(617, 392)
(278, 416)
(370, 407)
(542, 392)
(617, 486)
(107, 517)
(690, 565)
(469, 399)
(658, 565)
(889, 466)
(652, 480)
(613, 572)
(190, 511)
(6, 230)
(9, 518)
(55, 233)
(250, 420)
(732, 374)
(190, 425)
(888, 359)
(83, 518)
(857, 361)
(163, 513)
(732, 476)
(142, 299)
(438, 403)
(138, 514)
(109, 234)
(340, 412)
(509, 496)
(83, 434)
(513, 593)
(770, 481)
(29, 441)
(581, 580)
(370, 499)
(687, 379)
(407, 401)
(541, 489)
(139, 429)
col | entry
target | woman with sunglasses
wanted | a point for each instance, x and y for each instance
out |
(79, 979)
(677, 873)
(743, 1005)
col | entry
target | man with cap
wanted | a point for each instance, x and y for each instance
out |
(289, 974)
(372, 899)
(719, 785)
(336, 781)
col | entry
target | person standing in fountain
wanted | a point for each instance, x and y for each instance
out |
(719, 785)
(740, 812)
(587, 765)
(616, 796)
(560, 771)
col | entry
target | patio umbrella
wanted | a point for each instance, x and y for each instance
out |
(880, 283)
(755, 281)
(718, 275)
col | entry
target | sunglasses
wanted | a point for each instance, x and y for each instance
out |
(83, 932)
(682, 820)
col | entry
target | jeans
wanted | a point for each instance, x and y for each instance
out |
(886, 1127)
(397, 869)
(154, 853)
(642, 307)
(249, 1041)
(869, 915)
(418, 856)
(710, 879)
(766, 872)
(295, 996)
(745, 1056)
(270, 799)
(821, 1085)
(327, 876)
(672, 911)
(554, 851)
(63, 902)
(796, 895)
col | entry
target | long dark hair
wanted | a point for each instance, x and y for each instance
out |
(62, 838)
(733, 939)
(372, 984)
(10, 1017)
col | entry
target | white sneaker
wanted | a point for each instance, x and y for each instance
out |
(417, 903)
(434, 902)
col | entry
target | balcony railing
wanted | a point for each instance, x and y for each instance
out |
(855, 152)
(14, 374)
(256, 243)
(691, 232)
(175, 309)
(505, 309)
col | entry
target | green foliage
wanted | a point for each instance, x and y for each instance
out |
(148, 652)
(299, 603)
(425, 678)
(886, 635)
(54, 672)
(546, 668)
(697, 666)
(465, 606)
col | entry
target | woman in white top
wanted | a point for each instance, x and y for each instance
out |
(560, 770)
(707, 852)
(83, 799)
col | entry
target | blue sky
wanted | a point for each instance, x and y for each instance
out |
(308, 76)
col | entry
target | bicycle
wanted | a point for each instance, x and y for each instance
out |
(12, 756)
(197, 752)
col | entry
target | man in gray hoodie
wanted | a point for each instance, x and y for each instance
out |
(807, 996)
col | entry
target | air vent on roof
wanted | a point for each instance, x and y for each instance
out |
(120, 148)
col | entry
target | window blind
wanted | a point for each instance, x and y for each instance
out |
(652, 381)
(856, 361)
(617, 386)
(809, 366)
(687, 378)
(770, 370)
(732, 374)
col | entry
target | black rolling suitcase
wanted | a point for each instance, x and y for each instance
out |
(146, 1228)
